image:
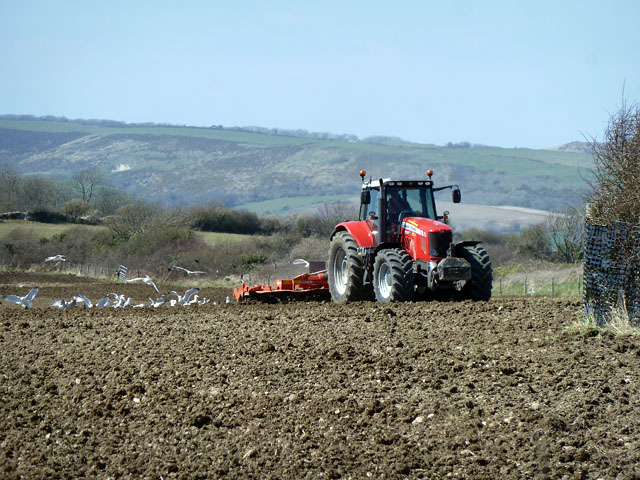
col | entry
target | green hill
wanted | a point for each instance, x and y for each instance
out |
(191, 165)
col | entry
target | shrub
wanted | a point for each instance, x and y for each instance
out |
(74, 209)
(532, 242)
(616, 188)
(46, 215)
(221, 219)
(247, 261)
(156, 238)
(21, 248)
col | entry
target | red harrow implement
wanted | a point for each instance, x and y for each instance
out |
(306, 286)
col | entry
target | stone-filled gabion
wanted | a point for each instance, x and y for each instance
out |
(612, 268)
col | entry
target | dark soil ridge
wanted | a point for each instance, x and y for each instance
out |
(314, 390)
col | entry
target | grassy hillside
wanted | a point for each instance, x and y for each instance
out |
(188, 165)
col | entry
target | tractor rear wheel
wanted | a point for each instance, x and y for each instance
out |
(346, 270)
(393, 277)
(480, 284)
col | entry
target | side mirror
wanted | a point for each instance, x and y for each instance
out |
(456, 196)
(365, 197)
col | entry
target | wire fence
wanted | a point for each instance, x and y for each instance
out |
(612, 269)
(550, 286)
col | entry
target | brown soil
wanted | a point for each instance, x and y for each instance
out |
(311, 390)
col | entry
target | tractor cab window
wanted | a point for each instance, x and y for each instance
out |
(403, 202)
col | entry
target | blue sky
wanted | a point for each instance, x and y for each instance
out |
(528, 74)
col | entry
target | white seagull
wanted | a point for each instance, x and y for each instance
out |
(81, 298)
(24, 302)
(189, 272)
(103, 302)
(157, 303)
(56, 258)
(193, 300)
(146, 280)
(300, 261)
(121, 301)
(184, 299)
(62, 303)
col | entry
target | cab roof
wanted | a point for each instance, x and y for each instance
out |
(399, 183)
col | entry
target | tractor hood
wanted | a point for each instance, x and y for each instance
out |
(425, 239)
(424, 226)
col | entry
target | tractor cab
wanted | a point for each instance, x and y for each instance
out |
(385, 204)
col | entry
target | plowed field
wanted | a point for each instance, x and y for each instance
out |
(311, 390)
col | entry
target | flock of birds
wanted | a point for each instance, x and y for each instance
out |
(114, 300)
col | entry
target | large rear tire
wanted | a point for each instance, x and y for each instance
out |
(346, 270)
(393, 276)
(481, 282)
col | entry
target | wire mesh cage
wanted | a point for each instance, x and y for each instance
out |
(612, 268)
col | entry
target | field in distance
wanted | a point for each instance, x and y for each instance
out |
(48, 230)
(462, 215)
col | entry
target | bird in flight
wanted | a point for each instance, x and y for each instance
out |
(189, 272)
(24, 302)
(56, 258)
(300, 261)
(146, 280)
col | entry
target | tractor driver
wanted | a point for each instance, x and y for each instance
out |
(395, 205)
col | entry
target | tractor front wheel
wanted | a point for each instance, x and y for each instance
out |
(393, 277)
(346, 270)
(480, 284)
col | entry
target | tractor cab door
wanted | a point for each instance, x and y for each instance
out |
(369, 213)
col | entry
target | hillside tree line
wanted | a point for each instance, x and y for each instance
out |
(137, 232)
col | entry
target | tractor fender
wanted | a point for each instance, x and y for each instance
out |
(358, 230)
(455, 247)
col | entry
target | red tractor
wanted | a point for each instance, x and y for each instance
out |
(401, 249)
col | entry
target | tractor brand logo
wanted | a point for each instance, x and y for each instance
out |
(413, 228)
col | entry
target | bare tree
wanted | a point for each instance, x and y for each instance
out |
(37, 191)
(108, 200)
(9, 182)
(88, 179)
(616, 187)
(330, 214)
(566, 235)
(132, 219)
